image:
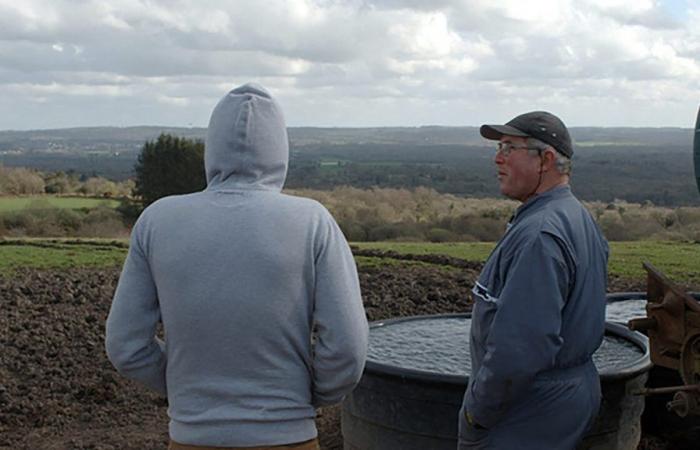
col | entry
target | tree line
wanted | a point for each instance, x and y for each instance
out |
(172, 165)
(23, 181)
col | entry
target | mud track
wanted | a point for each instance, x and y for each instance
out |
(58, 391)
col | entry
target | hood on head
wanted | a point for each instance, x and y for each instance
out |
(246, 143)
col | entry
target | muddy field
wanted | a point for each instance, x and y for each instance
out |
(58, 391)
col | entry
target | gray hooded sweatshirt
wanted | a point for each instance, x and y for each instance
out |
(240, 275)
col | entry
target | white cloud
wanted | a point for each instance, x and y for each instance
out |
(425, 35)
(68, 89)
(174, 101)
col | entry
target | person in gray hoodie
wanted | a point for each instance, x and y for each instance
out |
(539, 302)
(257, 292)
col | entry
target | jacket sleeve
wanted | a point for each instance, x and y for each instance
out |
(341, 330)
(130, 341)
(524, 338)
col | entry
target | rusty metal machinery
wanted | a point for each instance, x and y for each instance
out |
(673, 326)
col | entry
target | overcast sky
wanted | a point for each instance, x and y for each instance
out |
(70, 63)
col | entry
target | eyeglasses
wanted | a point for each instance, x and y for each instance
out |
(506, 148)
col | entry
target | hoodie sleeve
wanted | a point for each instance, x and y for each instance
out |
(339, 320)
(130, 341)
(525, 333)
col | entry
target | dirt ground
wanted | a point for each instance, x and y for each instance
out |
(58, 391)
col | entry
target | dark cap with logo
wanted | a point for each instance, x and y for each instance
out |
(541, 125)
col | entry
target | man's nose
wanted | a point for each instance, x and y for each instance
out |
(499, 158)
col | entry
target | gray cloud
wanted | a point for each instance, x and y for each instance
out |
(358, 62)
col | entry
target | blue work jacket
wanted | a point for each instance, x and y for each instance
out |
(538, 317)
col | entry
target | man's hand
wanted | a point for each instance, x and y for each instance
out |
(472, 422)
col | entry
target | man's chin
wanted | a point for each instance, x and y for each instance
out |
(506, 193)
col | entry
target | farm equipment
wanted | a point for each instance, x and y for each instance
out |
(673, 326)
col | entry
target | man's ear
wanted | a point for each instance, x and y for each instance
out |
(549, 160)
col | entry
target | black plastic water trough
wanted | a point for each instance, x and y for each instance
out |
(399, 408)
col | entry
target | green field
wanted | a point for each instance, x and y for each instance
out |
(679, 261)
(10, 204)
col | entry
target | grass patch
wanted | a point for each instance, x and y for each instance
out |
(11, 204)
(471, 251)
(679, 261)
(55, 255)
(49, 242)
(370, 262)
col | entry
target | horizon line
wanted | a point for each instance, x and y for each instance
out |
(122, 127)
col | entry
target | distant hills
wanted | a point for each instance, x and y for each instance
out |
(91, 139)
(634, 164)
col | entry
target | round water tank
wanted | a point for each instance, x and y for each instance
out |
(418, 368)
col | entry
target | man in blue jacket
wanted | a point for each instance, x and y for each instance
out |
(257, 292)
(539, 303)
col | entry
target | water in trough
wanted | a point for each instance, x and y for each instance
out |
(442, 346)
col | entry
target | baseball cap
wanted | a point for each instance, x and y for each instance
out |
(541, 125)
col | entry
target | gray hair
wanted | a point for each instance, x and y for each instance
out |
(563, 163)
